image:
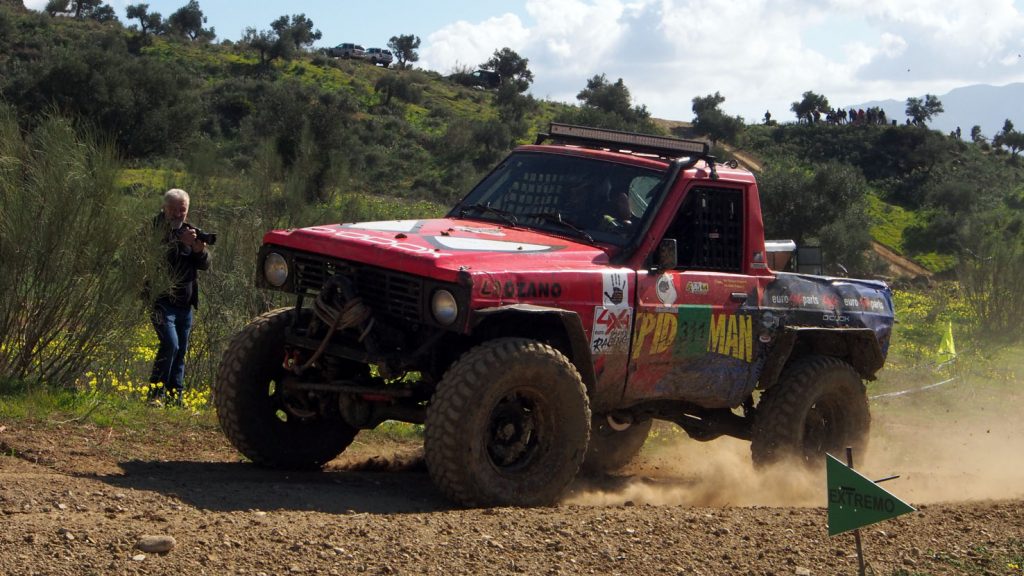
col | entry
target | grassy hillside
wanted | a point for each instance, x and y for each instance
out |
(931, 197)
(97, 118)
(343, 126)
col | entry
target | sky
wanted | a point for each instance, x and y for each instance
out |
(759, 54)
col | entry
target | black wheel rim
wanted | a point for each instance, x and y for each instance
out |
(824, 428)
(516, 428)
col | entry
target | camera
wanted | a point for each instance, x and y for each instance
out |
(210, 238)
(207, 237)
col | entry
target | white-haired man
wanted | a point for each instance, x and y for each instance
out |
(185, 256)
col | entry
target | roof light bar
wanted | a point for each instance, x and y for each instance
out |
(643, 143)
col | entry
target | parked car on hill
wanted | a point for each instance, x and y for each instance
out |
(346, 50)
(485, 79)
(378, 56)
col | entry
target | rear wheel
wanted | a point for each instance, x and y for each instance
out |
(819, 406)
(508, 425)
(268, 423)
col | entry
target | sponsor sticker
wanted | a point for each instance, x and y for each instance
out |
(387, 226)
(487, 231)
(483, 245)
(666, 290)
(615, 291)
(805, 300)
(698, 288)
(611, 330)
(520, 289)
(694, 331)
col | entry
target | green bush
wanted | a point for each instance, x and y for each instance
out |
(71, 253)
(991, 273)
(825, 205)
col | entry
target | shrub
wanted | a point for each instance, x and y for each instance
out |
(70, 250)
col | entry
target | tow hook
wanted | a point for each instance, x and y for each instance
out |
(620, 422)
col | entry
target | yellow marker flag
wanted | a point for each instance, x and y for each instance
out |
(947, 349)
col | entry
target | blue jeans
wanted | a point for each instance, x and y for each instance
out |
(173, 325)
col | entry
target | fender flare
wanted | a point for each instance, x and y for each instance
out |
(570, 321)
(858, 346)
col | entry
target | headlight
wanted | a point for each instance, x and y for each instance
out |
(444, 307)
(275, 269)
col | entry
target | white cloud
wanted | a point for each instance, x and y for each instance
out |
(759, 54)
(763, 54)
(891, 45)
(585, 33)
(38, 5)
(945, 41)
(466, 44)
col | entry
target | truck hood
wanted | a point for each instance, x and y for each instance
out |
(440, 248)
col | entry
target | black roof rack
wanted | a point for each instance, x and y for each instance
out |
(626, 141)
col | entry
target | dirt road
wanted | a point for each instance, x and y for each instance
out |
(75, 500)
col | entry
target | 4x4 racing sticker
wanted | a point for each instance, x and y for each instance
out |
(611, 330)
(613, 320)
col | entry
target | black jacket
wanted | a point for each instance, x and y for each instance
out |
(182, 263)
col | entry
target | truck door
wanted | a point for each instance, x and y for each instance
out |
(693, 336)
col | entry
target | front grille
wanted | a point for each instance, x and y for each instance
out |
(385, 291)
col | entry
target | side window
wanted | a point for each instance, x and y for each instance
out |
(641, 190)
(709, 230)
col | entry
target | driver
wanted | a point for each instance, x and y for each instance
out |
(593, 203)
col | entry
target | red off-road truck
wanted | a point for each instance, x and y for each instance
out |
(591, 283)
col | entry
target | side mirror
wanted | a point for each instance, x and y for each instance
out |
(667, 257)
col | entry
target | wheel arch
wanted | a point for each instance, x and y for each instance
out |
(562, 329)
(857, 346)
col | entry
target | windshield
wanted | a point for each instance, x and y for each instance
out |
(595, 200)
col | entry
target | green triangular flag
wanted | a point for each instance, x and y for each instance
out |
(855, 501)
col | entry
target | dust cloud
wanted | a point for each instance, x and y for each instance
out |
(960, 442)
(715, 474)
(965, 442)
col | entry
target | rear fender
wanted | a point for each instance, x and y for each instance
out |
(858, 346)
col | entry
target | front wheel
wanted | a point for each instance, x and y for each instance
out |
(262, 419)
(819, 406)
(508, 425)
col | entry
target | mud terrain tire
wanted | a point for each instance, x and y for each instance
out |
(819, 405)
(248, 395)
(610, 450)
(508, 425)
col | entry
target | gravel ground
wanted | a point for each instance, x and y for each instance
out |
(78, 499)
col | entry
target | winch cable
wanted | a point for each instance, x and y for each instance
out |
(353, 314)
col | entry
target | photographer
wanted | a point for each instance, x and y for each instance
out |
(186, 254)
